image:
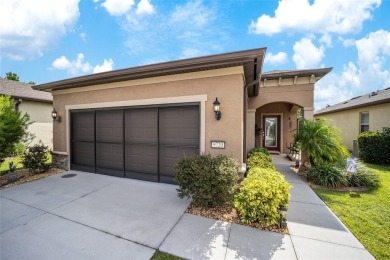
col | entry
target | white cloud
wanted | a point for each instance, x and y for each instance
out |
(27, 28)
(106, 66)
(117, 7)
(194, 12)
(369, 73)
(346, 42)
(327, 40)
(145, 7)
(191, 27)
(323, 16)
(277, 59)
(306, 54)
(83, 37)
(73, 67)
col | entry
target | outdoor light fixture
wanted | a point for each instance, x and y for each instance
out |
(216, 109)
(283, 213)
(55, 115)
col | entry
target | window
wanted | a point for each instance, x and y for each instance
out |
(364, 122)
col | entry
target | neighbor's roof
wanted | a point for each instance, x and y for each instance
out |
(373, 98)
(24, 91)
(248, 58)
(275, 74)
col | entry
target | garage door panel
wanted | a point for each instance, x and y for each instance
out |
(141, 158)
(109, 126)
(141, 125)
(83, 126)
(109, 156)
(83, 154)
(171, 155)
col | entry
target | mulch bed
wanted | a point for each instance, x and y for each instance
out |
(229, 214)
(23, 176)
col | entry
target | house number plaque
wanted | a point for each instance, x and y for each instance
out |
(218, 144)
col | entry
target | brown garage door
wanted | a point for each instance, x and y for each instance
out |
(138, 143)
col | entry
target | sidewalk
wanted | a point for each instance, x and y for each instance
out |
(315, 232)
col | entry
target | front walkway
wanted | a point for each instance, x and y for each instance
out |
(315, 232)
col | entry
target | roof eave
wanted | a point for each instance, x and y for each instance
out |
(378, 102)
(153, 70)
(300, 73)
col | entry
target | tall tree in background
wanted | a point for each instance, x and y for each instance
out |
(13, 127)
(11, 76)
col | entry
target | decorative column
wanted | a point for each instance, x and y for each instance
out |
(250, 129)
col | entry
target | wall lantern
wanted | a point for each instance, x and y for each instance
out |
(216, 109)
(283, 214)
(55, 115)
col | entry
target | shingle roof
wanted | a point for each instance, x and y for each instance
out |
(373, 98)
(17, 89)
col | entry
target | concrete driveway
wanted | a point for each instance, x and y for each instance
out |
(87, 216)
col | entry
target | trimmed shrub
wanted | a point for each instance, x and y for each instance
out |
(209, 181)
(36, 157)
(328, 175)
(364, 177)
(260, 160)
(374, 147)
(260, 196)
(257, 150)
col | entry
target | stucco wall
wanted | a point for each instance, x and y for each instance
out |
(40, 114)
(228, 89)
(349, 121)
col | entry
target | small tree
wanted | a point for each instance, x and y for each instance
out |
(321, 142)
(11, 76)
(13, 126)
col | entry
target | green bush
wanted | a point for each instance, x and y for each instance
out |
(260, 196)
(209, 181)
(257, 150)
(328, 175)
(260, 160)
(364, 177)
(374, 147)
(36, 157)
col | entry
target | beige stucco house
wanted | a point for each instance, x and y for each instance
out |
(37, 104)
(138, 122)
(370, 112)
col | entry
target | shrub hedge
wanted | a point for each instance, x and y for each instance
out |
(328, 175)
(259, 157)
(209, 181)
(364, 177)
(334, 176)
(374, 147)
(261, 194)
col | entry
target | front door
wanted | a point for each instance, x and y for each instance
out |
(271, 132)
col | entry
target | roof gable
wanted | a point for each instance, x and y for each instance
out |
(21, 90)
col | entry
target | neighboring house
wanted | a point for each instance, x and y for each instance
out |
(370, 112)
(139, 122)
(37, 104)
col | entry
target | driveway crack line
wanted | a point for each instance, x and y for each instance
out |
(328, 242)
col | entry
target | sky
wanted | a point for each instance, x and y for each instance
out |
(50, 40)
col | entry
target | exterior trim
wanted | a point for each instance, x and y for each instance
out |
(144, 102)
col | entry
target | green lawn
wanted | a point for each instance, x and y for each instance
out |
(164, 256)
(366, 214)
(18, 161)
